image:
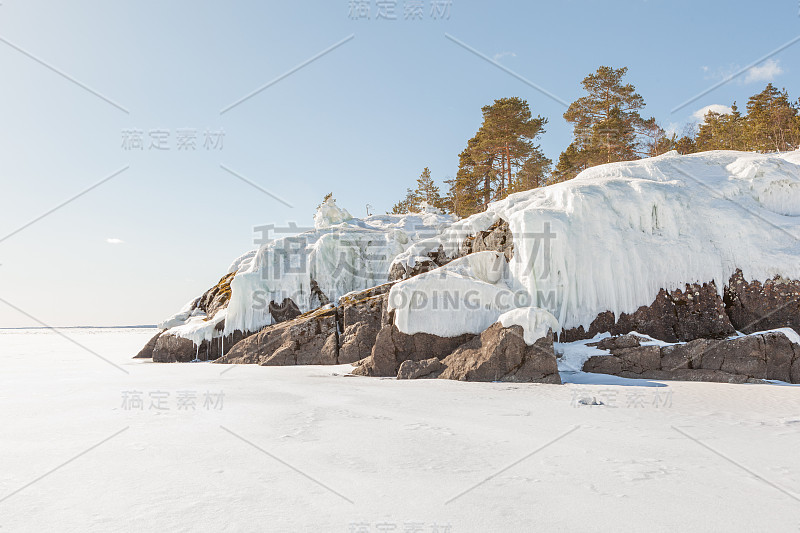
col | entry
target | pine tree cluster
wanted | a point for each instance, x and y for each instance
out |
(503, 157)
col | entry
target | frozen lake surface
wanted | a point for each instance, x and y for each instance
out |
(128, 445)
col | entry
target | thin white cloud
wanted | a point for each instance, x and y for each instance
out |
(501, 55)
(766, 71)
(113, 240)
(700, 114)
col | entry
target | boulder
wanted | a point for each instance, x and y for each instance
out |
(360, 317)
(392, 348)
(635, 360)
(170, 348)
(309, 339)
(357, 342)
(501, 354)
(751, 358)
(428, 368)
(147, 351)
(173, 349)
(621, 341)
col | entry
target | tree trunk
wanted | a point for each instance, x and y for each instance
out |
(508, 159)
(502, 174)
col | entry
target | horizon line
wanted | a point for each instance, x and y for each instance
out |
(142, 326)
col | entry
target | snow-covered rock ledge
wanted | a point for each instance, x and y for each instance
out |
(675, 247)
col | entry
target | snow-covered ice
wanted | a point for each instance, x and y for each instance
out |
(390, 452)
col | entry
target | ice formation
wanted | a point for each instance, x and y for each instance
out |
(613, 236)
(329, 214)
(607, 240)
(464, 296)
(341, 254)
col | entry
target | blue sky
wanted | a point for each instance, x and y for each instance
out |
(360, 121)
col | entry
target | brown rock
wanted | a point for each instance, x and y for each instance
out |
(428, 368)
(686, 356)
(622, 341)
(360, 319)
(147, 351)
(217, 297)
(393, 347)
(754, 306)
(752, 358)
(284, 311)
(780, 354)
(633, 360)
(357, 342)
(501, 354)
(305, 340)
(676, 316)
(795, 370)
(688, 374)
(318, 298)
(172, 349)
(743, 356)
(496, 238)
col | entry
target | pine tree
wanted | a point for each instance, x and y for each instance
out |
(533, 174)
(427, 191)
(405, 205)
(771, 121)
(571, 162)
(686, 144)
(466, 194)
(607, 124)
(501, 158)
(656, 141)
(722, 131)
(509, 132)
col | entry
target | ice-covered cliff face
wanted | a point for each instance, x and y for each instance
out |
(607, 240)
(341, 254)
(613, 236)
